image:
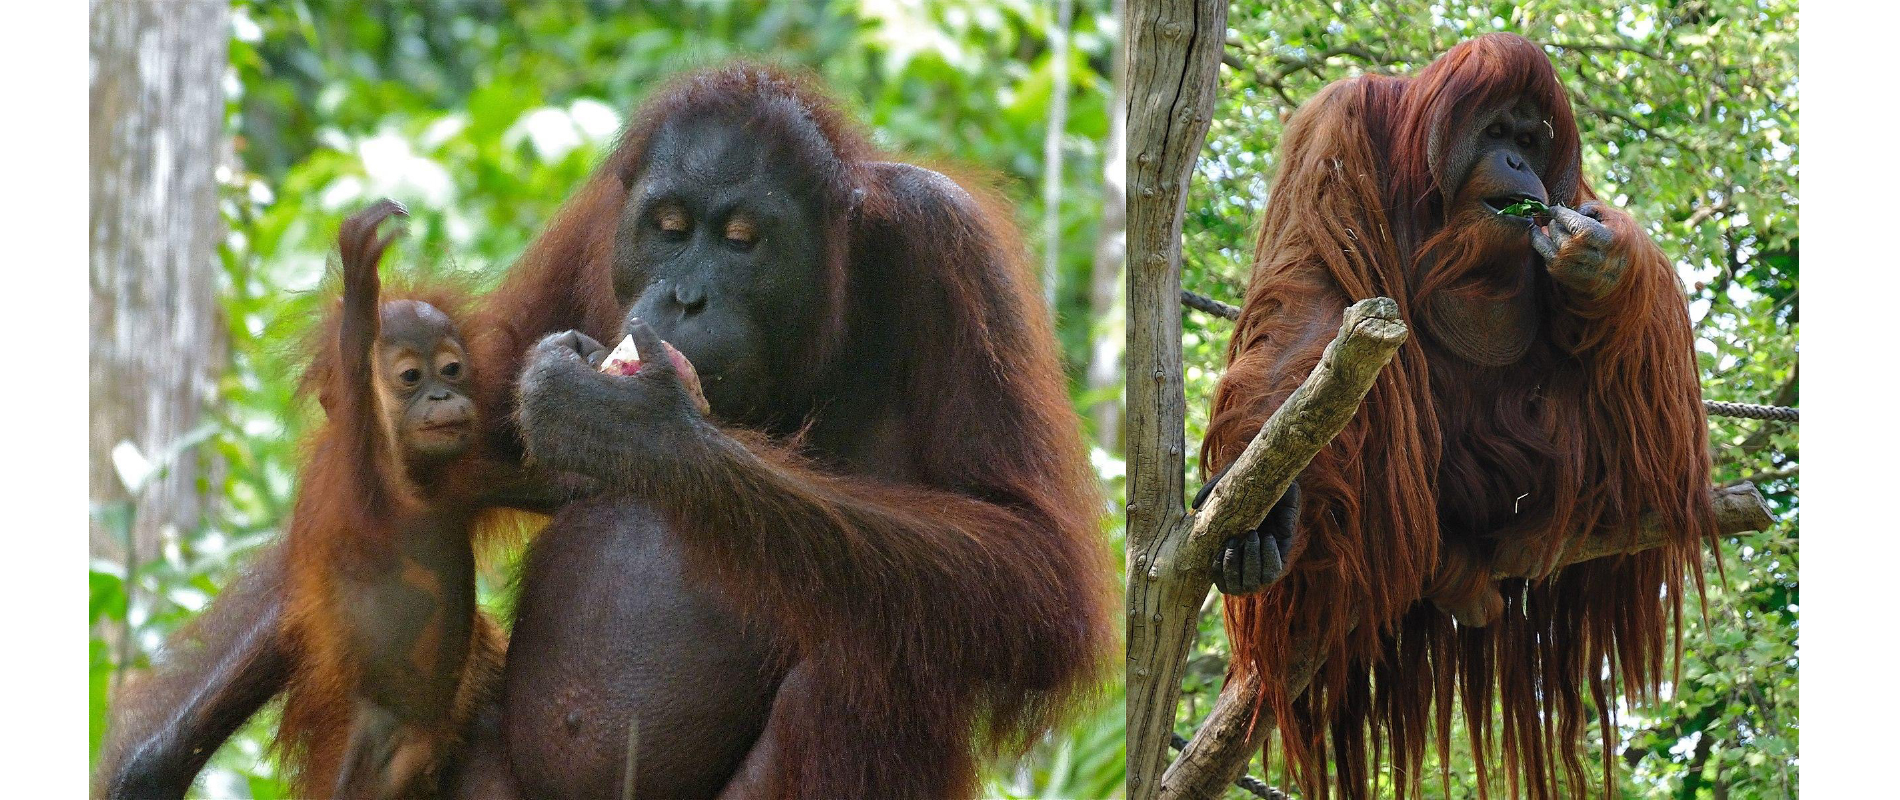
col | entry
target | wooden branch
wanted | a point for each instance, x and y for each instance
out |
(1318, 410)
(1738, 509)
(1223, 746)
(1606, 47)
(1169, 576)
(1208, 305)
(1171, 93)
(1767, 476)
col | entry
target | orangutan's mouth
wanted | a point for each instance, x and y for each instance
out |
(1501, 202)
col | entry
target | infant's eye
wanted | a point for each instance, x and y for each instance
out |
(452, 369)
(411, 376)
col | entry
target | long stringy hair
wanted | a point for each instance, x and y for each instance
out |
(1600, 422)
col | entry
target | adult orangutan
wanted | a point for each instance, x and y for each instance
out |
(875, 560)
(1550, 393)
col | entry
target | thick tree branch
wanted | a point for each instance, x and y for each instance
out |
(1170, 575)
(1369, 337)
(1317, 411)
(1738, 509)
(1224, 744)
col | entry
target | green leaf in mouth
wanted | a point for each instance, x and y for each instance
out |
(1526, 207)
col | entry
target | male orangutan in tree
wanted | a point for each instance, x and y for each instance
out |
(873, 563)
(1549, 393)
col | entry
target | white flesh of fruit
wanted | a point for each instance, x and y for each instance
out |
(624, 353)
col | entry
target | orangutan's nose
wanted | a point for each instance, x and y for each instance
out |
(690, 296)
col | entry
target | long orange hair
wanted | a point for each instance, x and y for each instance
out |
(1599, 423)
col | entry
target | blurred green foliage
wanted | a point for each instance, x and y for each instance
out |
(482, 116)
(1688, 110)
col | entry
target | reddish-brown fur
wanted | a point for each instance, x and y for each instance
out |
(356, 496)
(947, 609)
(1600, 423)
(986, 614)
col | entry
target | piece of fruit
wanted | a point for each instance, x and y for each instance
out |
(624, 360)
(689, 377)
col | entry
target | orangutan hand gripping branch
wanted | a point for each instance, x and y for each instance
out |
(1552, 393)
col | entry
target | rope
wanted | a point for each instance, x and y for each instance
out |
(1208, 305)
(1752, 411)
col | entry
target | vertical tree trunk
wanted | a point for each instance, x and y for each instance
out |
(157, 120)
(1111, 248)
(1171, 91)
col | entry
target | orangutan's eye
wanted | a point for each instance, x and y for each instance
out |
(673, 222)
(741, 234)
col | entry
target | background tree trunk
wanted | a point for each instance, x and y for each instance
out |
(157, 122)
(1052, 153)
(1105, 275)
